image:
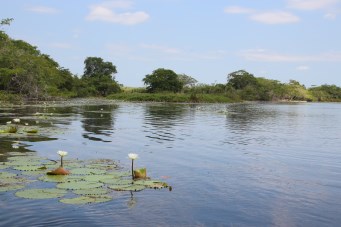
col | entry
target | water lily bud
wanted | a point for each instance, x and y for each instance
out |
(133, 156)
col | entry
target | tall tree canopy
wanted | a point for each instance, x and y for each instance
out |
(163, 80)
(240, 79)
(25, 71)
(99, 76)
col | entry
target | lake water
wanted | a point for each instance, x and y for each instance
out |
(254, 164)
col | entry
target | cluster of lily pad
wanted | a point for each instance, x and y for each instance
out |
(89, 181)
(14, 126)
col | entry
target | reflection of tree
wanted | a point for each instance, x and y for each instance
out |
(249, 123)
(161, 119)
(98, 120)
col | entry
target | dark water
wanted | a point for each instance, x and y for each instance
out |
(229, 165)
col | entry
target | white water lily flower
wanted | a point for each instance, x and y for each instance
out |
(8, 122)
(26, 124)
(15, 146)
(16, 120)
(133, 156)
(62, 153)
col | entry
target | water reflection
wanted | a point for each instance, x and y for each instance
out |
(98, 121)
(160, 121)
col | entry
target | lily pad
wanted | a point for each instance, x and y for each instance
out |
(41, 193)
(10, 187)
(91, 191)
(96, 178)
(87, 171)
(132, 187)
(152, 184)
(30, 168)
(2, 166)
(117, 181)
(59, 178)
(7, 175)
(86, 199)
(79, 185)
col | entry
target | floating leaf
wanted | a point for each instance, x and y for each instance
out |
(91, 191)
(29, 168)
(117, 181)
(3, 166)
(86, 199)
(7, 175)
(87, 171)
(132, 187)
(59, 178)
(119, 174)
(79, 185)
(151, 184)
(10, 187)
(96, 178)
(41, 193)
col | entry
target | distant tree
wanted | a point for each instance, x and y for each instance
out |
(240, 79)
(187, 81)
(163, 80)
(100, 75)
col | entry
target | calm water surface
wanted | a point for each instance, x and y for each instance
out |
(229, 164)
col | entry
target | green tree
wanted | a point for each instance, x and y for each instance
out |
(100, 75)
(187, 81)
(163, 80)
(240, 79)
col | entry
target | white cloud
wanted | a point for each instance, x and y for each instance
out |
(43, 9)
(330, 16)
(303, 68)
(311, 4)
(268, 17)
(275, 17)
(238, 10)
(267, 56)
(106, 12)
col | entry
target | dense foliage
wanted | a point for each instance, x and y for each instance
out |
(163, 80)
(25, 72)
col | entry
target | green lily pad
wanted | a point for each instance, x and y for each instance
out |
(86, 199)
(30, 168)
(151, 184)
(41, 193)
(116, 181)
(132, 187)
(7, 175)
(119, 174)
(95, 178)
(59, 178)
(3, 167)
(79, 185)
(87, 171)
(10, 187)
(91, 191)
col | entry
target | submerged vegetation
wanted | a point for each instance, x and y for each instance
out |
(28, 74)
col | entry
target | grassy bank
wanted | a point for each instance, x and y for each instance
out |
(171, 97)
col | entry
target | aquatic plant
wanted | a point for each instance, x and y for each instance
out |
(60, 170)
(61, 154)
(85, 185)
(132, 156)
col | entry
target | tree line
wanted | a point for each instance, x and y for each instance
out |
(28, 73)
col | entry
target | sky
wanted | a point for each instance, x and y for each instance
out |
(204, 39)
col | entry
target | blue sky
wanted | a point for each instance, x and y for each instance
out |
(281, 40)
